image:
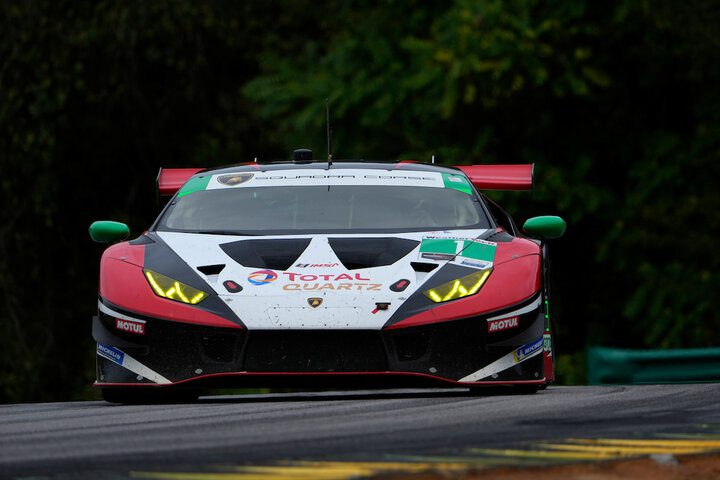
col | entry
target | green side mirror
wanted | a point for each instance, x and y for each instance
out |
(106, 231)
(545, 227)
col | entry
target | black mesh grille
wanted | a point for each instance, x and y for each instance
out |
(449, 349)
(219, 347)
(315, 351)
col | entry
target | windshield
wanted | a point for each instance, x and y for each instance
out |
(323, 209)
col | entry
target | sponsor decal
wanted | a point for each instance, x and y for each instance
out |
(333, 281)
(447, 237)
(314, 302)
(475, 264)
(503, 324)
(547, 344)
(457, 182)
(527, 350)
(131, 326)
(316, 265)
(485, 242)
(262, 277)
(235, 179)
(448, 248)
(330, 277)
(370, 177)
(195, 184)
(437, 256)
(112, 354)
(305, 287)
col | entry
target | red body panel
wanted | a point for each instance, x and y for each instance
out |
(508, 284)
(134, 254)
(518, 247)
(170, 180)
(500, 177)
(549, 367)
(124, 285)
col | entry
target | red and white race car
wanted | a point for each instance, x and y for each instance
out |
(306, 273)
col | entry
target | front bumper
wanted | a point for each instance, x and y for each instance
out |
(444, 353)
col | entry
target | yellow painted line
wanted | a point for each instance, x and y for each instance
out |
(196, 476)
(648, 442)
(309, 470)
(469, 461)
(572, 449)
(362, 467)
(622, 450)
(546, 454)
(688, 436)
(258, 475)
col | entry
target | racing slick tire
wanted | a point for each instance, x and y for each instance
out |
(133, 396)
(509, 390)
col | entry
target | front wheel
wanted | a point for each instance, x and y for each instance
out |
(145, 395)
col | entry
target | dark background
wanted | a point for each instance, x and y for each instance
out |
(617, 103)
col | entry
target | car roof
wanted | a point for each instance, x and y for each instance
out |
(404, 165)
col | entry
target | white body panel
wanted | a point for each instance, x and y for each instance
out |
(348, 296)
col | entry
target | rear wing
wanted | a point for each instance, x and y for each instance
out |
(500, 177)
(169, 180)
(484, 177)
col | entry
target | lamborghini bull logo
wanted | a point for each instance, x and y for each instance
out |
(235, 179)
(314, 302)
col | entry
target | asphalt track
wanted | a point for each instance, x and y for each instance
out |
(99, 440)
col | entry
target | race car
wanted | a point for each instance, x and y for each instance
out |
(311, 273)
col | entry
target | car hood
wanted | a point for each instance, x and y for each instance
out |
(325, 281)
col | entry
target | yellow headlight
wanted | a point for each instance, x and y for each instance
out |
(171, 289)
(459, 288)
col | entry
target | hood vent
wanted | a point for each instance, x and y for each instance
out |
(278, 254)
(357, 253)
(499, 237)
(211, 269)
(423, 267)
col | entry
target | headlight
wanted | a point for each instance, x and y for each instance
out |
(171, 289)
(462, 287)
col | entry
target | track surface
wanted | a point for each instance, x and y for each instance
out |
(80, 439)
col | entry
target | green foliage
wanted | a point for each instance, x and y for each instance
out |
(571, 368)
(94, 97)
(616, 103)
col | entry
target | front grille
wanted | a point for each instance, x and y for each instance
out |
(315, 351)
(411, 345)
(220, 347)
(449, 349)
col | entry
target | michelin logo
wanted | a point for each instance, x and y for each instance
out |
(527, 350)
(112, 354)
